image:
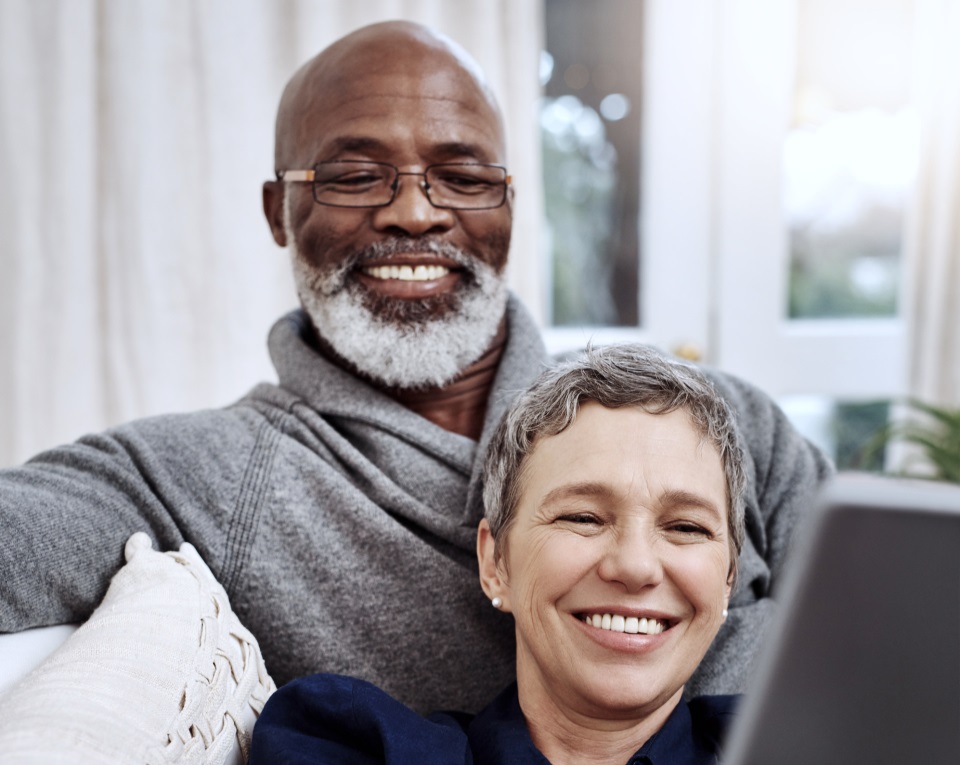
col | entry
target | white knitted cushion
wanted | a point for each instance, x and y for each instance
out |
(162, 672)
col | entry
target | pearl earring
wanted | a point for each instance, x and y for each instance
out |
(725, 612)
(496, 602)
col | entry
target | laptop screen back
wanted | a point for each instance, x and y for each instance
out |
(863, 665)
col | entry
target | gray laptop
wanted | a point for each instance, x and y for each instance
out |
(863, 664)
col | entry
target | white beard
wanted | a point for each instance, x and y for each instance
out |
(403, 353)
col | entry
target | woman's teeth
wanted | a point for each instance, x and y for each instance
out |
(407, 273)
(630, 624)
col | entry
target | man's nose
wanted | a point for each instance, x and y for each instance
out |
(632, 558)
(411, 211)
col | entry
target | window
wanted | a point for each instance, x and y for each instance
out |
(778, 148)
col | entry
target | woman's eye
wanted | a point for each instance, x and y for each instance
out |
(684, 527)
(579, 518)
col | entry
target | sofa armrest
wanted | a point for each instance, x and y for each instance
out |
(22, 652)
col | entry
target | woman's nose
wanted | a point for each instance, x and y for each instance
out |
(632, 558)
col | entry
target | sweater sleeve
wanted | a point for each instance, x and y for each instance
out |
(784, 473)
(67, 513)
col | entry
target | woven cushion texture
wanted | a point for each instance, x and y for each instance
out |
(162, 672)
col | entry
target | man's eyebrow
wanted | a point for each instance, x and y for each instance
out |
(452, 149)
(441, 152)
(348, 143)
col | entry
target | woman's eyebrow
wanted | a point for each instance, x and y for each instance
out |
(602, 491)
(580, 489)
(684, 498)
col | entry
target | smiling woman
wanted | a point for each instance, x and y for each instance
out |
(610, 529)
(614, 519)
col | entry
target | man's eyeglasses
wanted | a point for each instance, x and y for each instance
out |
(355, 183)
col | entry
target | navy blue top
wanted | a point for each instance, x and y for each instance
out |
(334, 719)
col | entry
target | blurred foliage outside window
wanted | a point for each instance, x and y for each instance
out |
(579, 176)
(590, 125)
(849, 157)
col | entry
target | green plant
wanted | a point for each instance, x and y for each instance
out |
(933, 431)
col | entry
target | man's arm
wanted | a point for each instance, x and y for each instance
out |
(784, 474)
(67, 513)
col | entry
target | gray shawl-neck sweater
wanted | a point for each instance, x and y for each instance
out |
(342, 525)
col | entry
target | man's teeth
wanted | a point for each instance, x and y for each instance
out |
(407, 273)
(631, 624)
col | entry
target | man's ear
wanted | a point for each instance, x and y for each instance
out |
(273, 210)
(492, 576)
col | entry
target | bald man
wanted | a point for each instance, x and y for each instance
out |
(338, 507)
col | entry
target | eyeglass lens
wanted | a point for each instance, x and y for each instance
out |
(374, 184)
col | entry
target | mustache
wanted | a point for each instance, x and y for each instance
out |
(401, 245)
(336, 278)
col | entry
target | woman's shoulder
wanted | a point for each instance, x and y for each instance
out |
(326, 718)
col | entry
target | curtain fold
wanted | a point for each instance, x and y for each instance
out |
(137, 274)
(933, 245)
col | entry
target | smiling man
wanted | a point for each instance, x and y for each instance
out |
(339, 506)
(394, 200)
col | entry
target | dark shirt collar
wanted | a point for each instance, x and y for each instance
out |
(673, 743)
(689, 736)
(499, 733)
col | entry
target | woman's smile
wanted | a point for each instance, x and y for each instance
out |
(626, 636)
(632, 625)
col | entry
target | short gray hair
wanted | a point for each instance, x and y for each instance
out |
(612, 376)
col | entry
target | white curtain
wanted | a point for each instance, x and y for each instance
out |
(137, 275)
(933, 247)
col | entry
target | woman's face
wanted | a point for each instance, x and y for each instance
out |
(617, 565)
